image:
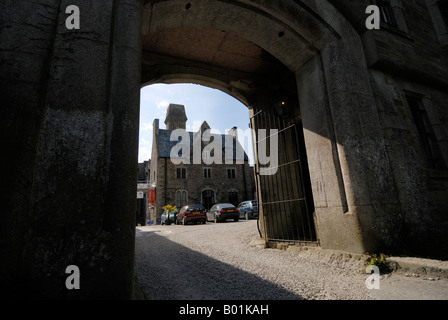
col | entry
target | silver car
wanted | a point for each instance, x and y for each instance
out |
(223, 211)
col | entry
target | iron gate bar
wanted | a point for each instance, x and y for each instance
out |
(269, 227)
(256, 114)
(301, 199)
(275, 224)
(276, 134)
(284, 208)
(311, 233)
(289, 181)
(300, 191)
(282, 165)
(285, 220)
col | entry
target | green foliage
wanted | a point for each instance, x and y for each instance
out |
(379, 261)
(169, 208)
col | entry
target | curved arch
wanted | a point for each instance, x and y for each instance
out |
(291, 31)
(229, 88)
(208, 188)
(324, 72)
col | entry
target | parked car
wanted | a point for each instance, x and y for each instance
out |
(248, 209)
(210, 215)
(191, 213)
(224, 211)
(172, 216)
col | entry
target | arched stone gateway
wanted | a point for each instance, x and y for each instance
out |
(355, 171)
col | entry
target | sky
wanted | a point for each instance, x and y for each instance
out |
(221, 111)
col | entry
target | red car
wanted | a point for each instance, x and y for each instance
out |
(191, 213)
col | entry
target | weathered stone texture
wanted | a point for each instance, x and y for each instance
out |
(69, 125)
(59, 108)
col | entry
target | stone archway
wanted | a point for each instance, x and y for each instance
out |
(72, 104)
(208, 198)
(308, 53)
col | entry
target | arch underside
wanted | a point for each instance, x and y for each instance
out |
(253, 55)
(233, 46)
(304, 53)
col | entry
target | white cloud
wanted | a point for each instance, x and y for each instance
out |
(146, 126)
(195, 127)
(144, 154)
(163, 105)
(144, 149)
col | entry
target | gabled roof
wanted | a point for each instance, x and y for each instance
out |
(165, 144)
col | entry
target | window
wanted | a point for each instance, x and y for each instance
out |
(426, 134)
(387, 13)
(181, 198)
(181, 173)
(231, 173)
(207, 173)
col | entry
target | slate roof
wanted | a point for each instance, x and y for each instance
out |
(165, 144)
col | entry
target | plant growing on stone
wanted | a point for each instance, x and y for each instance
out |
(378, 260)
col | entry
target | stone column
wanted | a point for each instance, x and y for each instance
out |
(353, 187)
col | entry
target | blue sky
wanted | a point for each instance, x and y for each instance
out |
(220, 110)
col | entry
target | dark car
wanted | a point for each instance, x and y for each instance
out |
(172, 217)
(191, 213)
(248, 209)
(224, 211)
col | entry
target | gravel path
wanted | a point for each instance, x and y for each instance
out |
(220, 261)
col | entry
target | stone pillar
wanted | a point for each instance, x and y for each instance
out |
(71, 126)
(353, 187)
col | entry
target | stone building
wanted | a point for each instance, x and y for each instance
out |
(196, 183)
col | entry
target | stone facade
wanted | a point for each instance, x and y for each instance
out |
(206, 184)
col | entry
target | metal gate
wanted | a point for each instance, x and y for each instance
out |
(283, 186)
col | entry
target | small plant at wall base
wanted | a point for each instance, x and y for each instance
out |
(169, 208)
(379, 261)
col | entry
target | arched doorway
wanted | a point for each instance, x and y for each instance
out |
(227, 59)
(300, 69)
(233, 196)
(208, 198)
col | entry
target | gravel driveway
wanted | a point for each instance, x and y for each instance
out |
(221, 261)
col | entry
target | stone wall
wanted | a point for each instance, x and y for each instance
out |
(70, 101)
(195, 183)
(70, 125)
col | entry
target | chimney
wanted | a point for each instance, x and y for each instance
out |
(155, 127)
(176, 117)
(233, 132)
